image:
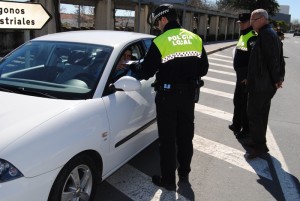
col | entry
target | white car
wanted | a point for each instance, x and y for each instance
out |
(66, 121)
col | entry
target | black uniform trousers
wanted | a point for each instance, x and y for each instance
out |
(259, 104)
(240, 99)
(175, 121)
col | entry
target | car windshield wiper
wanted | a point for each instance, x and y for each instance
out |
(22, 90)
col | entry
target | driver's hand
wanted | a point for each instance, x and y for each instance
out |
(121, 67)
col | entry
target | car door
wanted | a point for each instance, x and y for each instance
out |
(131, 116)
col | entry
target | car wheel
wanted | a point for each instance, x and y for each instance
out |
(76, 181)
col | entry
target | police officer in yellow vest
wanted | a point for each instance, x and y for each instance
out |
(240, 125)
(179, 60)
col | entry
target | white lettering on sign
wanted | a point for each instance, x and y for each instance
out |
(182, 39)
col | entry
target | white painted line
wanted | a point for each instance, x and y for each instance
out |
(227, 61)
(221, 65)
(287, 184)
(221, 72)
(213, 112)
(220, 55)
(218, 80)
(232, 156)
(215, 92)
(138, 186)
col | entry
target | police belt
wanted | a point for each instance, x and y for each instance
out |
(173, 87)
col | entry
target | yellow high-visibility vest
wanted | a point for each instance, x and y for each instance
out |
(178, 42)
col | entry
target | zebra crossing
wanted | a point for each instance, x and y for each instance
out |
(135, 184)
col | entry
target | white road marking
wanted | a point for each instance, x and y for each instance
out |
(221, 72)
(215, 92)
(213, 112)
(220, 55)
(139, 187)
(232, 156)
(227, 61)
(287, 184)
(221, 65)
(218, 80)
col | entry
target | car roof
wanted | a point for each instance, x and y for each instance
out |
(101, 37)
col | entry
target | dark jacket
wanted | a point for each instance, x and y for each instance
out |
(177, 71)
(264, 65)
(241, 57)
(282, 63)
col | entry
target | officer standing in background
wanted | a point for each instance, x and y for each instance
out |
(179, 60)
(240, 125)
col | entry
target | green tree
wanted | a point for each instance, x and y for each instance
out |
(271, 6)
(280, 25)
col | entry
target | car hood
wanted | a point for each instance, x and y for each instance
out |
(21, 113)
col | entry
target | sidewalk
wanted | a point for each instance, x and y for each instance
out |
(212, 47)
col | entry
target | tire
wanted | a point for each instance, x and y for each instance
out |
(76, 181)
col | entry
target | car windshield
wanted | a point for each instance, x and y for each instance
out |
(54, 69)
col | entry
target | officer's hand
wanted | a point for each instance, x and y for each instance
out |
(244, 82)
(135, 66)
(278, 84)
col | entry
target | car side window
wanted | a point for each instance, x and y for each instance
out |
(147, 43)
(131, 53)
(136, 52)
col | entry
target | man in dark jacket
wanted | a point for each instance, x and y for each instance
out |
(240, 64)
(179, 60)
(263, 80)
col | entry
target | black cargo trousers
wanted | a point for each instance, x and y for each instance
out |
(240, 99)
(175, 120)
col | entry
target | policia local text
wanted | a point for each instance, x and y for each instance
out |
(14, 20)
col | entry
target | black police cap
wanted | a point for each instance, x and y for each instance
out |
(244, 17)
(162, 10)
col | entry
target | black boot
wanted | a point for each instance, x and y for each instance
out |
(156, 179)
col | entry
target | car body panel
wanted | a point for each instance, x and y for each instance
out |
(17, 116)
(35, 189)
(140, 112)
(39, 135)
(60, 138)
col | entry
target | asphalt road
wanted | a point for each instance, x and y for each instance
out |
(219, 169)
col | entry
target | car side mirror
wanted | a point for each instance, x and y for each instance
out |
(127, 83)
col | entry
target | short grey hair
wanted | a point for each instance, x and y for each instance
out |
(261, 12)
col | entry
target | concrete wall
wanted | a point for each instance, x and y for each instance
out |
(104, 19)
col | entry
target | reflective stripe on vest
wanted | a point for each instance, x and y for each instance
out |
(178, 42)
(243, 41)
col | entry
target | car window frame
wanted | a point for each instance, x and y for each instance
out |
(142, 48)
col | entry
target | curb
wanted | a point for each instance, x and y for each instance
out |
(220, 49)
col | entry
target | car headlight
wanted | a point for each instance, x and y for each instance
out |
(8, 171)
